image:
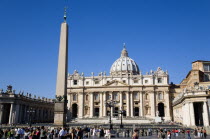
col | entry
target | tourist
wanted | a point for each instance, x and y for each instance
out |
(195, 133)
(188, 134)
(1, 133)
(31, 135)
(107, 133)
(135, 134)
(142, 132)
(201, 132)
(72, 133)
(204, 133)
(169, 134)
(51, 134)
(102, 132)
(79, 134)
(62, 133)
(19, 133)
(43, 133)
(162, 134)
(26, 134)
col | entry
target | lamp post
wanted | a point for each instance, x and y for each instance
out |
(121, 112)
(110, 104)
(30, 116)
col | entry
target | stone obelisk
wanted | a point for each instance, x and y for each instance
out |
(60, 109)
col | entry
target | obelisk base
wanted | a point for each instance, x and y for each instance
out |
(60, 114)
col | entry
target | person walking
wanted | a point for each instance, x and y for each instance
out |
(135, 135)
(188, 134)
(169, 134)
(204, 133)
(62, 133)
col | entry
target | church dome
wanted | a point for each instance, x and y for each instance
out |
(124, 65)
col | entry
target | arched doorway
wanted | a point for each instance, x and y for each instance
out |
(161, 109)
(74, 110)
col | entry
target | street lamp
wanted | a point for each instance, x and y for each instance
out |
(121, 112)
(110, 104)
(30, 116)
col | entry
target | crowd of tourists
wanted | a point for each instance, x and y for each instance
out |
(86, 132)
(49, 132)
(198, 132)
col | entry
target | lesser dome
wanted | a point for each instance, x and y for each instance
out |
(124, 65)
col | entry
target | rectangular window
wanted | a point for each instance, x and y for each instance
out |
(124, 81)
(96, 96)
(74, 97)
(146, 81)
(160, 80)
(136, 81)
(135, 96)
(206, 77)
(96, 82)
(75, 82)
(206, 67)
(124, 96)
(115, 96)
(107, 82)
(87, 82)
(108, 97)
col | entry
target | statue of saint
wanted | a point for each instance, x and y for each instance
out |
(157, 113)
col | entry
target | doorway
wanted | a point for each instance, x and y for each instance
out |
(96, 113)
(161, 110)
(136, 111)
(74, 110)
(198, 112)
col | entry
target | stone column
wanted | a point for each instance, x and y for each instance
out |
(20, 114)
(104, 106)
(11, 113)
(131, 101)
(111, 111)
(101, 104)
(17, 110)
(121, 100)
(192, 114)
(141, 104)
(91, 105)
(81, 105)
(167, 111)
(187, 114)
(25, 113)
(1, 112)
(205, 114)
(68, 108)
(152, 102)
(128, 104)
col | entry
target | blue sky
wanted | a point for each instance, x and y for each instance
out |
(166, 33)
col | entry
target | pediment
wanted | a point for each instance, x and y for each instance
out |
(115, 83)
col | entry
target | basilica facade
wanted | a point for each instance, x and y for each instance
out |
(140, 96)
